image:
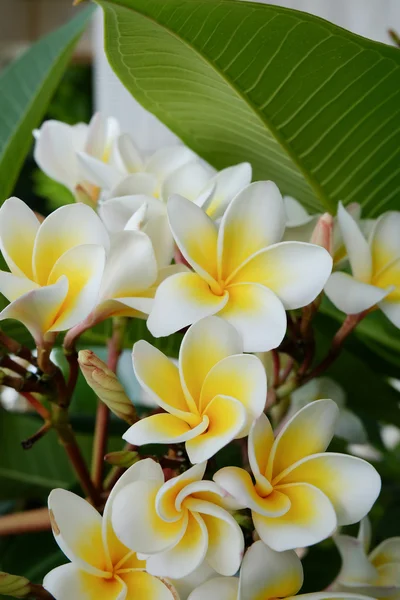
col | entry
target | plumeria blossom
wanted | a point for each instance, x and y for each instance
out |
(348, 426)
(375, 573)
(58, 145)
(375, 267)
(178, 524)
(241, 272)
(301, 493)
(56, 266)
(131, 170)
(211, 398)
(264, 575)
(101, 566)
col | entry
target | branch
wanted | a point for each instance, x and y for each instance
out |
(29, 521)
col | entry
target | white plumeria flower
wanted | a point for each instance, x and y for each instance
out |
(141, 212)
(213, 191)
(56, 266)
(375, 573)
(264, 575)
(129, 167)
(57, 147)
(101, 566)
(213, 397)
(241, 272)
(302, 493)
(178, 524)
(349, 426)
(375, 266)
(299, 223)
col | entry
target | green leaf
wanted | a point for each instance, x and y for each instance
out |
(36, 471)
(311, 106)
(26, 88)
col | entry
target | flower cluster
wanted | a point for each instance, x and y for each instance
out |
(168, 239)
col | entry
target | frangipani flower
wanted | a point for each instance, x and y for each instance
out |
(375, 266)
(375, 574)
(212, 398)
(301, 493)
(178, 524)
(130, 169)
(299, 223)
(58, 144)
(241, 272)
(56, 266)
(264, 575)
(348, 426)
(101, 566)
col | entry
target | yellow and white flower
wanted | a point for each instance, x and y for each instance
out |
(56, 266)
(301, 493)
(375, 573)
(57, 149)
(241, 272)
(375, 266)
(101, 566)
(264, 575)
(213, 397)
(178, 524)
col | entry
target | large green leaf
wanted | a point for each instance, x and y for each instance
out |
(310, 105)
(26, 88)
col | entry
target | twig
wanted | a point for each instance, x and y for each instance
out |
(115, 346)
(395, 37)
(28, 443)
(25, 522)
(8, 363)
(31, 384)
(16, 348)
(277, 367)
(37, 405)
(39, 593)
(287, 370)
(72, 358)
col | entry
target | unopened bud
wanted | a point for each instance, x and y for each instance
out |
(105, 384)
(14, 585)
(323, 233)
(123, 458)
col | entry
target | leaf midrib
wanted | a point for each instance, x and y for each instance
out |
(324, 199)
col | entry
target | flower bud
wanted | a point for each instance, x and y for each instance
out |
(123, 458)
(14, 585)
(323, 233)
(105, 384)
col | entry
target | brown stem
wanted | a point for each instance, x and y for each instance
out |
(31, 384)
(38, 406)
(28, 443)
(287, 370)
(16, 348)
(25, 522)
(68, 440)
(349, 324)
(39, 593)
(8, 363)
(72, 358)
(277, 367)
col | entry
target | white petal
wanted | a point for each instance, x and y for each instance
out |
(356, 568)
(18, 228)
(365, 533)
(223, 588)
(204, 345)
(392, 311)
(12, 287)
(357, 247)
(96, 136)
(227, 184)
(163, 429)
(131, 266)
(83, 266)
(55, 153)
(159, 232)
(269, 574)
(181, 300)
(166, 160)
(136, 184)
(38, 309)
(388, 551)
(258, 315)
(130, 155)
(67, 582)
(260, 442)
(77, 529)
(189, 583)
(225, 538)
(98, 172)
(310, 519)
(65, 228)
(295, 213)
(186, 556)
(117, 211)
(351, 484)
(254, 220)
(351, 428)
(385, 245)
(187, 181)
(296, 272)
(352, 296)
(142, 530)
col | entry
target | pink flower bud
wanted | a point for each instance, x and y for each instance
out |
(323, 233)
